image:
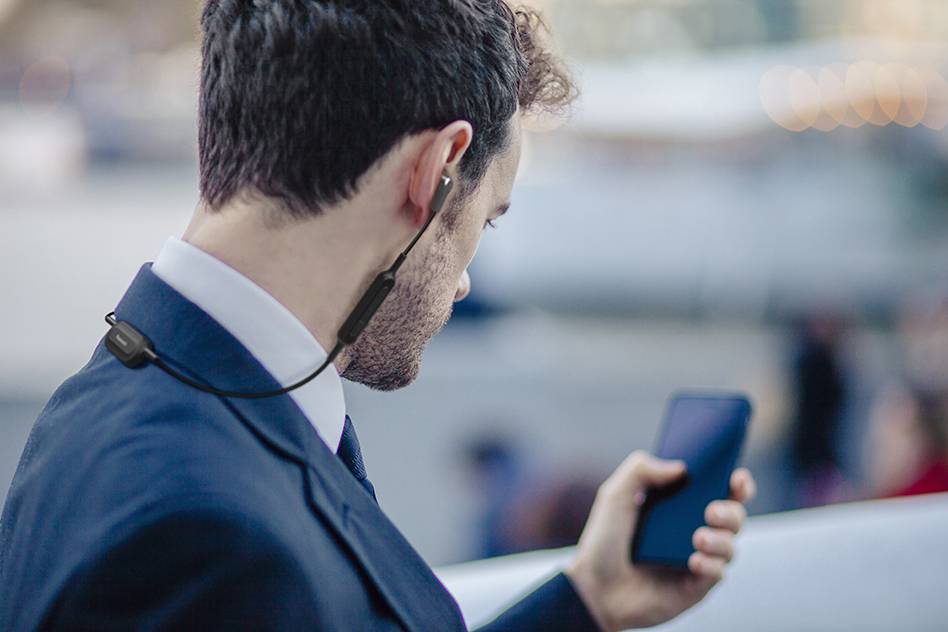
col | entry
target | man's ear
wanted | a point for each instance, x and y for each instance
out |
(442, 155)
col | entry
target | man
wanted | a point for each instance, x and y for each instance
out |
(326, 126)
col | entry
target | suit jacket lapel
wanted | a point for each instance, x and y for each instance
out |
(402, 577)
(186, 336)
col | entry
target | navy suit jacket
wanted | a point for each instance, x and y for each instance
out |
(141, 503)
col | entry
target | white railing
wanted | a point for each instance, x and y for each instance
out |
(868, 566)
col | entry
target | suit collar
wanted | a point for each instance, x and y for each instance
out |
(190, 339)
(267, 329)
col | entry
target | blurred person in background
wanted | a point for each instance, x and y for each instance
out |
(908, 447)
(325, 130)
(496, 474)
(909, 443)
(818, 387)
(922, 337)
(553, 515)
(525, 508)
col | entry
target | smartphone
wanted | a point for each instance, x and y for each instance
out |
(707, 432)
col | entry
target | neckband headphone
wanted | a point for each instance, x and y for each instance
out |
(134, 349)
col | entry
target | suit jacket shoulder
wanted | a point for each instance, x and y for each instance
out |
(140, 502)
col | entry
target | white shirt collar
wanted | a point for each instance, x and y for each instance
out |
(275, 337)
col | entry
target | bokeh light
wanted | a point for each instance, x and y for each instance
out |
(804, 97)
(886, 82)
(914, 98)
(851, 95)
(775, 97)
(936, 111)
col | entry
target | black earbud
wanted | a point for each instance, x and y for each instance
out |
(384, 282)
(133, 349)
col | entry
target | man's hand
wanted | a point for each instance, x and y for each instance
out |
(620, 595)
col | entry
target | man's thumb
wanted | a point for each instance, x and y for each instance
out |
(663, 472)
(642, 470)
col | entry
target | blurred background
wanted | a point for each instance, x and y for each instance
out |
(751, 195)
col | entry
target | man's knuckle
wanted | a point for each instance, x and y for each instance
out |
(709, 513)
(697, 538)
(637, 463)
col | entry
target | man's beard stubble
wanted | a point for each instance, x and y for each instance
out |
(387, 356)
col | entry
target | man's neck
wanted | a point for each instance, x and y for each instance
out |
(312, 267)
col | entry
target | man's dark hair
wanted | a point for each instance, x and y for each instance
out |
(299, 98)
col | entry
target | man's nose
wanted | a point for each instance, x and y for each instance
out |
(464, 287)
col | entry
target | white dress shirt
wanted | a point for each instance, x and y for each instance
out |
(275, 337)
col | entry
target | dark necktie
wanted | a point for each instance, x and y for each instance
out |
(350, 454)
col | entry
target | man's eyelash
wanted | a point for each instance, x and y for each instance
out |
(491, 223)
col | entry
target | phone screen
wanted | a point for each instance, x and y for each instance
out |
(706, 432)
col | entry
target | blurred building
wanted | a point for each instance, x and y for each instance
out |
(664, 237)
